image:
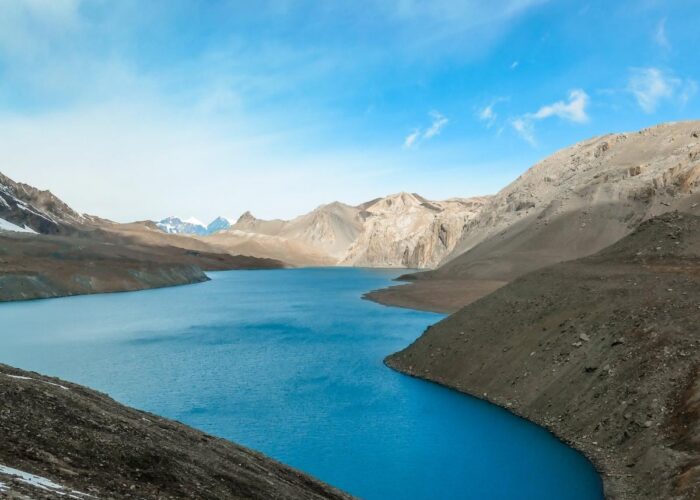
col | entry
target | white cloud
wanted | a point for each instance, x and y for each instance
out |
(439, 122)
(660, 37)
(514, 64)
(418, 135)
(650, 86)
(411, 138)
(525, 129)
(690, 88)
(488, 113)
(574, 110)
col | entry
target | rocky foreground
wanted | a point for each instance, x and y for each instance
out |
(61, 440)
(604, 351)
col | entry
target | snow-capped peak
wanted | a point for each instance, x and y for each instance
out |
(194, 221)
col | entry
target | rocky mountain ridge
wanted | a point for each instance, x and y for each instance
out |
(400, 230)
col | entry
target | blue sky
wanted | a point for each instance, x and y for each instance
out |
(134, 110)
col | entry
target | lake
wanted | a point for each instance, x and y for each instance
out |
(289, 362)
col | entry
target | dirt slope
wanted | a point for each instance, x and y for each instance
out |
(604, 351)
(86, 445)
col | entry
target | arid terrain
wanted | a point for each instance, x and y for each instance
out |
(604, 351)
(62, 440)
(400, 230)
(572, 204)
(49, 250)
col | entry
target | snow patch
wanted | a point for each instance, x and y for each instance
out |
(194, 221)
(39, 482)
(20, 377)
(9, 226)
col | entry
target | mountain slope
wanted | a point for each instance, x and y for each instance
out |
(604, 351)
(574, 203)
(41, 211)
(82, 444)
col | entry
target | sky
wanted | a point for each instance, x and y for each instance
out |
(137, 110)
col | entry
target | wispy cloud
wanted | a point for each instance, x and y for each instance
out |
(439, 121)
(573, 110)
(488, 113)
(651, 86)
(660, 37)
(412, 138)
(525, 129)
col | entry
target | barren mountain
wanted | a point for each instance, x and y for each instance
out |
(40, 211)
(406, 230)
(401, 230)
(62, 440)
(574, 203)
(604, 351)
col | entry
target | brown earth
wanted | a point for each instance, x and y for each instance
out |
(90, 446)
(604, 351)
(42, 266)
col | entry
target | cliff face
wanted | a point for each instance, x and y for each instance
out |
(406, 230)
(62, 440)
(604, 351)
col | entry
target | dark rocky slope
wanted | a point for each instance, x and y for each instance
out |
(89, 446)
(604, 351)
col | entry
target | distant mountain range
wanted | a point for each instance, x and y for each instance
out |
(193, 226)
(399, 230)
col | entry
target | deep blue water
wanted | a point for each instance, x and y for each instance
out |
(290, 363)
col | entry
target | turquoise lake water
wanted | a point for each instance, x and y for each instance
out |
(289, 362)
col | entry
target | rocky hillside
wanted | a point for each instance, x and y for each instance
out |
(574, 203)
(61, 440)
(604, 351)
(40, 211)
(401, 230)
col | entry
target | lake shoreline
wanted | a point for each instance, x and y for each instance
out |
(601, 351)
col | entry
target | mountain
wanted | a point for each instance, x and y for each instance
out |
(192, 226)
(603, 351)
(218, 224)
(400, 230)
(406, 230)
(49, 250)
(63, 440)
(574, 203)
(25, 208)
(175, 225)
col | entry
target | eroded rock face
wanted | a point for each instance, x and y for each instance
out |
(405, 230)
